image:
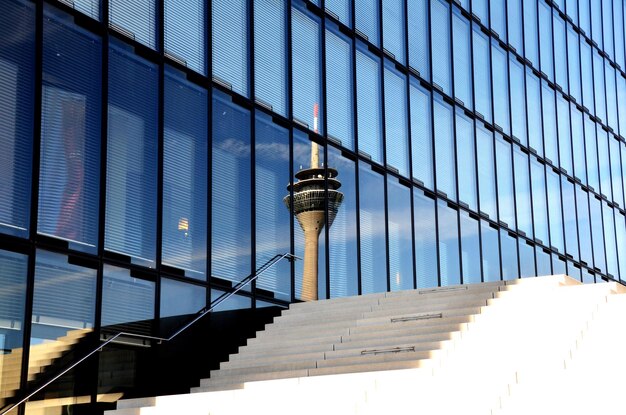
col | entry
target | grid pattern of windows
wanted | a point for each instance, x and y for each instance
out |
(471, 144)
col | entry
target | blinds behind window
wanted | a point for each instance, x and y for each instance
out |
(89, 7)
(306, 68)
(444, 149)
(230, 43)
(419, 36)
(366, 19)
(231, 246)
(393, 28)
(396, 125)
(70, 142)
(270, 53)
(442, 69)
(339, 88)
(421, 135)
(369, 102)
(136, 19)
(13, 271)
(185, 33)
(17, 60)
(342, 9)
(185, 176)
(131, 191)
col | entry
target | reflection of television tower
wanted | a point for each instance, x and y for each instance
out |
(309, 205)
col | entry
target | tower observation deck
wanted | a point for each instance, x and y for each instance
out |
(311, 200)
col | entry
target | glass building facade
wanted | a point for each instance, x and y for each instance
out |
(146, 147)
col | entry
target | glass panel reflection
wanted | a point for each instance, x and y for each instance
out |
(13, 269)
(372, 227)
(425, 240)
(400, 235)
(448, 230)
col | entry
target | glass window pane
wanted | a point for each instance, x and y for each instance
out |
(235, 302)
(127, 301)
(185, 161)
(587, 75)
(558, 265)
(531, 30)
(596, 23)
(135, 19)
(366, 19)
(230, 43)
(599, 88)
(470, 249)
(342, 249)
(540, 207)
(591, 147)
(544, 262)
(231, 243)
(396, 120)
(271, 150)
(620, 228)
(372, 226)
(394, 28)
(554, 210)
(17, 88)
(482, 74)
(171, 293)
(132, 157)
(545, 40)
(270, 54)
(491, 252)
(611, 96)
(618, 31)
(572, 9)
(506, 198)
(481, 9)
(419, 37)
(584, 226)
(369, 102)
(603, 163)
(578, 144)
(444, 148)
(549, 123)
(584, 16)
(449, 260)
(70, 134)
(421, 134)
(522, 192)
(339, 90)
(440, 38)
(498, 17)
(509, 255)
(500, 88)
(342, 9)
(462, 59)
(514, 10)
(569, 218)
(425, 240)
(63, 304)
(400, 235)
(89, 7)
(597, 232)
(526, 259)
(184, 33)
(518, 100)
(13, 271)
(609, 235)
(466, 163)
(565, 142)
(307, 68)
(533, 106)
(560, 52)
(621, 103)
(573, 56)
(486, 172)
(616, 171)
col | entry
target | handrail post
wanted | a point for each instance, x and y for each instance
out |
(201, 313)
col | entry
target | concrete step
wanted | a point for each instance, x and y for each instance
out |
(262, 359)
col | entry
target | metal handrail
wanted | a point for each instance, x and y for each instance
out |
(201, 313)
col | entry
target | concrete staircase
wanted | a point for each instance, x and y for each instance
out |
(41, 356)
(509, 347)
